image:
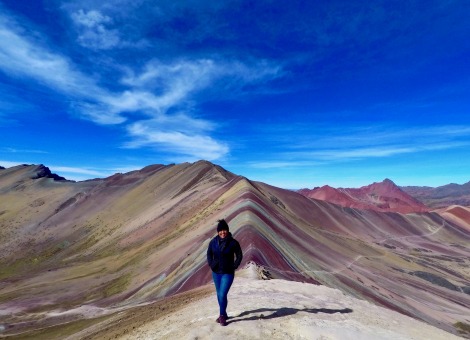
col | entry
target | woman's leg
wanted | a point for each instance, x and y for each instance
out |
(217, 278)
(226, 281)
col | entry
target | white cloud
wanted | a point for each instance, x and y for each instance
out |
(98, 112)
(128, 168)
(199, 73)
(282, 164)
(324, 145)
(358, 153)
(94, 30)
(177, 137)
(90, 19)
(156, 74)
(155, 91)
(104, 107)
(9, 164)
(79, 171)
(73, 173)
(24, 57)
(84, 173)
(175, 82)
(14, 150)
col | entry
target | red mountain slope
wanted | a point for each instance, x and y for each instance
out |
(382, 196)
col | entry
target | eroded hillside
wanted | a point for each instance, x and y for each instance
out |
(133, 238)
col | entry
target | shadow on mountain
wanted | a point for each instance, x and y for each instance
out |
(285, 311)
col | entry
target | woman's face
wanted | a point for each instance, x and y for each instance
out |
(223, 233)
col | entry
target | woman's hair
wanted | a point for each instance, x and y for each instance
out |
(222, 225)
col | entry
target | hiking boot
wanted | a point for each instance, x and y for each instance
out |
(222, 320)
(218, 319)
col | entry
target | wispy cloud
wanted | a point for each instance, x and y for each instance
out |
(75, 173)
(23, 56)
(15, 150)
(321, 146)
(354, 154)
(98, 31)
(84, 173)
(175, 84)
(95, 31)
(177, 80)
(317, 136)
(156, 91)
(9, 164)
(276, 164)
(183, 138)
(79, 171)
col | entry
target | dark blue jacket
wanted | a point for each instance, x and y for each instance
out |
(224, 255)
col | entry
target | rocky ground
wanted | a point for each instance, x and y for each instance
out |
(260, 309)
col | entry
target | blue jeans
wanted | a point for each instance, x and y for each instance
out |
(222, 282)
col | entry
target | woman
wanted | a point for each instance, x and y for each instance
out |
(224, 255)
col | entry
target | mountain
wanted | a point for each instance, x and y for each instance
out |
(79, 256)
(383, 196)
(443, 196)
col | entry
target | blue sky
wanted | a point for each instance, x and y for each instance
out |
(292, 93)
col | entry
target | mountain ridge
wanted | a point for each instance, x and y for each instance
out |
(424, 197)
(441, 196)
(380, 196)
(131, 238)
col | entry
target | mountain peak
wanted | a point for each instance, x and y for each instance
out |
(380, 196)
(42, 171)
(386, 187)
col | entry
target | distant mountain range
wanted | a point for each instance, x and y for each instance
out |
(108, 245)
(387, 196)
(441, 197)
(383, 196)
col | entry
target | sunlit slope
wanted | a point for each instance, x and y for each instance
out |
(100, 241)
(138, 236)
(417, 264)
(457, 214)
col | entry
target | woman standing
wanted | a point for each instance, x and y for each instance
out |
(224, 255)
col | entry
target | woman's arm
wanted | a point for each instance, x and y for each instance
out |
(210, 255)
(238, 255)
